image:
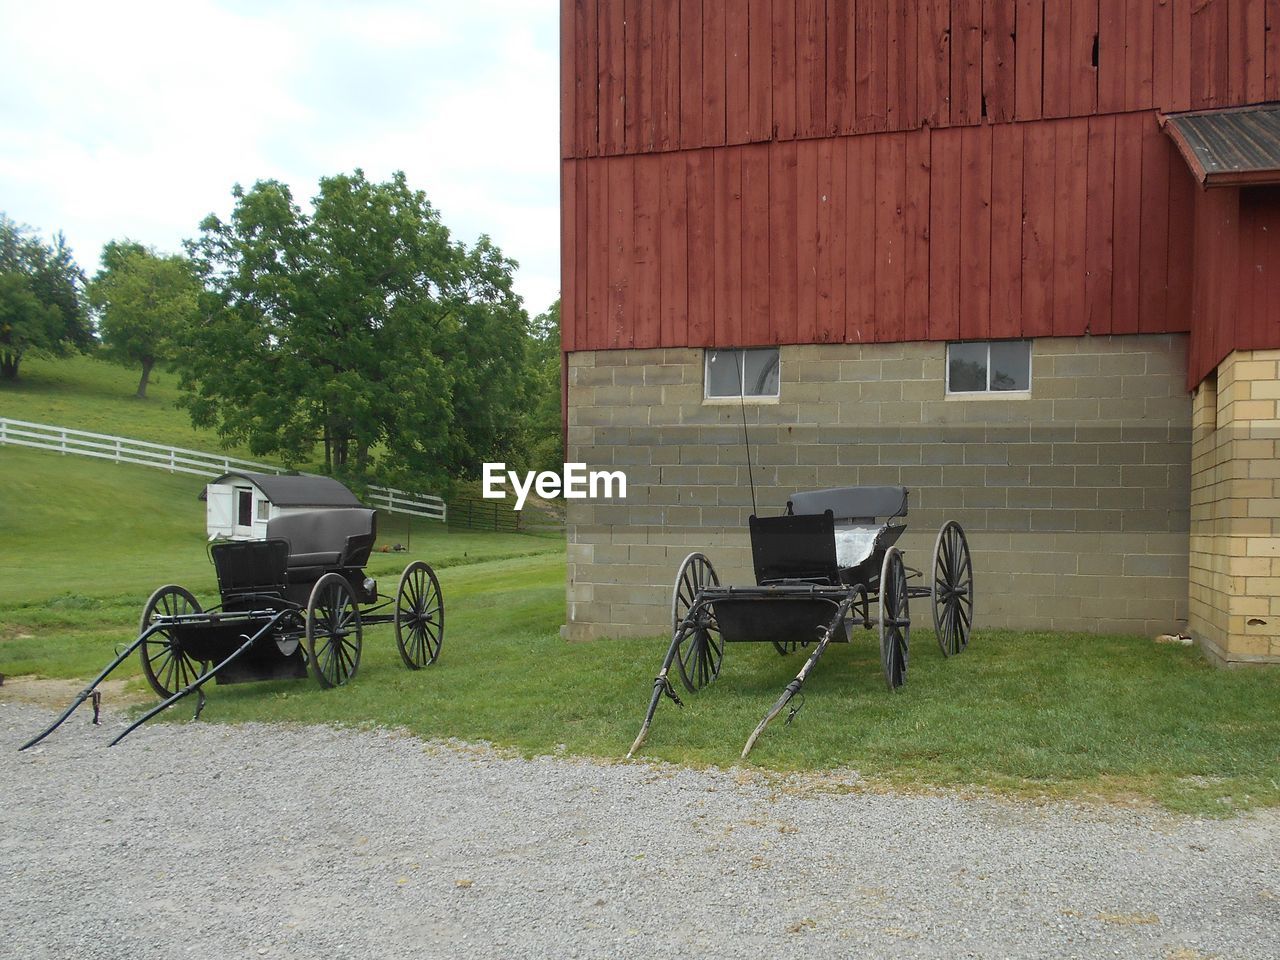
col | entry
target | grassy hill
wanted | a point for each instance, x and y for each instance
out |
(91, 394)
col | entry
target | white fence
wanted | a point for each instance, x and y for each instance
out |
(42, 436)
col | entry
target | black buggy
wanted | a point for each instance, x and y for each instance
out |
(828, 565)
(292, 604)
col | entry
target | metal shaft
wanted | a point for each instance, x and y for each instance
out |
(203, 678)
(794, 686)
(660, 682)
(85, 693)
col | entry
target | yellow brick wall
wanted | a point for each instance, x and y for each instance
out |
(1235, 510)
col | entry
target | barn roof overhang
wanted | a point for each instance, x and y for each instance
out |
(295, 491)
(1233, 147)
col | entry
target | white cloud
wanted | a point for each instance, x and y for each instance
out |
(135, 118)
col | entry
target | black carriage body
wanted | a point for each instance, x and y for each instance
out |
(827, 549)
(264, 580)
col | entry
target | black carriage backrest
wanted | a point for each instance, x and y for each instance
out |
(327, 538)
(794, 548)
(852, 504)
(250, 566)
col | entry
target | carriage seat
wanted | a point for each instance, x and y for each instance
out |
(250, 572)
(859, 530)
(323, 540)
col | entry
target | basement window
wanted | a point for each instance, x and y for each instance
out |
(742, 373)
(991, 366)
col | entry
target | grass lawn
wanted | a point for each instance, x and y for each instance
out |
(90, 394)
(83, 543)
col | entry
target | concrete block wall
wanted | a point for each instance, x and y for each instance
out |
(1235, 510)
(1075, 498)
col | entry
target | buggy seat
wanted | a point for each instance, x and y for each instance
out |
(861, 514)
(323, 540)
(251, 573)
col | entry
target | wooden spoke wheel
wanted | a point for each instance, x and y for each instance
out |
(952, 590)
(785, 648)
(164, 663)
(701, 652)
(334, 633)
(895, 619)
(419, 616)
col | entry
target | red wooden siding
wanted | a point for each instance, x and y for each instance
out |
(1236, 275)
(646, 75)
(809, 171)
(1057, 228)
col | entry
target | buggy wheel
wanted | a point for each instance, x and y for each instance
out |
(419, 616)
(701, 652)
(785, 648)
(952, 590)
(334, 633)
(164, 663)
(895, 619)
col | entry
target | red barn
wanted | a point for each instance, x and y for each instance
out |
(1022, 257)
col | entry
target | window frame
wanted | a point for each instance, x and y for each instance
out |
(741, 395)
(988, 392)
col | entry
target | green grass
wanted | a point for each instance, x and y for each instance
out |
(90, 394)
(82, 544)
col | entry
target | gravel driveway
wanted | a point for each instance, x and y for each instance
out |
(228, 842)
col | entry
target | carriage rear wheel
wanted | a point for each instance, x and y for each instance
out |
(701, 652)
(164, 663)
(895, 619)
(419, 616)
(952, 590)
(334, 632)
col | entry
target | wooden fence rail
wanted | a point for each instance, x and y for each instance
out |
(82, 443)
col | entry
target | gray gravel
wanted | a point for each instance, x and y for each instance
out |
(217, 841)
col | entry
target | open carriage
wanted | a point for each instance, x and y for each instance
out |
(828, 565)
(293, 602)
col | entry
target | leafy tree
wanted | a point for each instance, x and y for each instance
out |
(361, 325)
(41, 298)
(543, 426)
(144, 302)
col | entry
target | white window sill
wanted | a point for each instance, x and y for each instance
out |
(989, 395)
(725, 401)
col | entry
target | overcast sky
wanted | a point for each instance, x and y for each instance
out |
(134, 118)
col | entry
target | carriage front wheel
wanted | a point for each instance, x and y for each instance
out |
(164, 663)
(952, 590)
(895, 619)
(419, 616)
(334, 633)
(701, 652)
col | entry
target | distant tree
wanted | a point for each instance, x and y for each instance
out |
(144, 302)
(543, 425)
(41, 298)
(361, 325)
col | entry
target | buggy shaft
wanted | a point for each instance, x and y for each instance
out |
(794, 686)
(203, 678)
(661, 683)
(84, 694)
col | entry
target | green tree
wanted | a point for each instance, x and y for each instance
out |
(144, 302)
(41, 298)
(543, 424)
(361, 325)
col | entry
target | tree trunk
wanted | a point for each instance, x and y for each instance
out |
(328, 447)
(9, 365)
(147, 364)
